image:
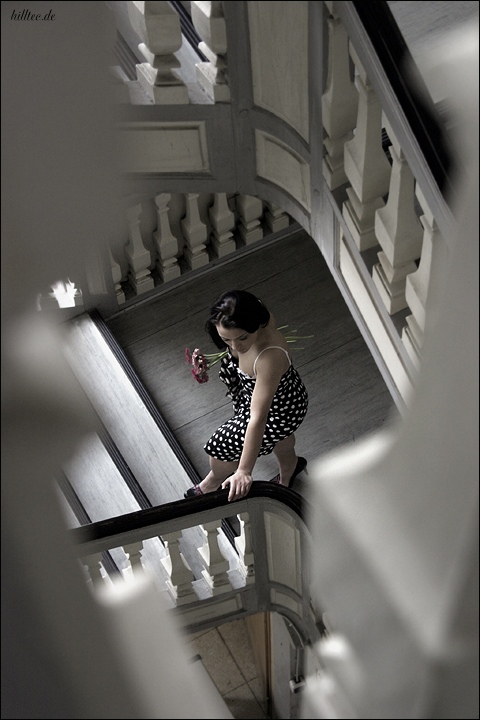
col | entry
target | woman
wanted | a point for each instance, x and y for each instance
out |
(269, 399)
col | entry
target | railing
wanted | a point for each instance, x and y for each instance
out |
(169, 237)
(383, 219)
(209, 581)
(392, 217)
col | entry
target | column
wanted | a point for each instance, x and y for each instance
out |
(366, 165)
(339, 102)
(250, 210)
(134, 554)
(398, 231)
(223, 222)
(165, 241)
(208, 20)
(195, 233)
(417, 284)
(276, 219)
(158, 25)
(180, 575)
(117, 278)
(138, 256)
(215, 572)
(243, 543)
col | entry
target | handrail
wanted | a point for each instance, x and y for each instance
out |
(395, 57)
(186, 510)
(264, 576)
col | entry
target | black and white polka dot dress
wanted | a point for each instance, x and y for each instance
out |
(287, 411)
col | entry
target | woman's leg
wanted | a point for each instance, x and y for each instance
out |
(219, 471)
(286, 458)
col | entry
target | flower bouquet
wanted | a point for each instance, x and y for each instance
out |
(202, 362)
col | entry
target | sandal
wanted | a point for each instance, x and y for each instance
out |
(300, 467)
(194, 491)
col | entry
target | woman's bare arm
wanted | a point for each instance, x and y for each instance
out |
(269, 370)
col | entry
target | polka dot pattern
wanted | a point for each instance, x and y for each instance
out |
(287, 411)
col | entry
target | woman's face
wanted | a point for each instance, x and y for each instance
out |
(237, 339)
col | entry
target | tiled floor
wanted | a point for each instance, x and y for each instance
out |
(228, 658)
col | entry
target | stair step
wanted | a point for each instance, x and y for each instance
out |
(144, 446)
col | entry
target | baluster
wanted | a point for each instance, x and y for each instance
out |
(243, 543)
(339, 102)
(93, 565)
(366, 165)
(276, 218)
(195, 232)
(417, 284)
(158, 25)
(223, 222)
(215, 572)
(133, 552)
(208, 20)
(165, 241)
(398, 231)
(180, 574)
(250, 210)
(138, 256)
(117, 278)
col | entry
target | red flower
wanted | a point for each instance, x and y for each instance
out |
(201, 363)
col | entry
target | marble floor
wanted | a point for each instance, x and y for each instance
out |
(227, 657)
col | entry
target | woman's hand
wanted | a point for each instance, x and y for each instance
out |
(238, 485)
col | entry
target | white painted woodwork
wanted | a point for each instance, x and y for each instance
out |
(180, 574)
(360, 219)
(216, 566)
(276, 218)
(366, 166)
(400, 374)
(117, 278)
(165, 241)
(212, 76)
(243, 543)
(418, 282)
(339, 104)
(280, 76)
(283, 566)
(250, 210)
(399, 232)
(133, 551)
(223, 224)
(397, 226)
(93, 565)
(158, 25)
(284, 167)
(195, 233)
(163, 147)
(139, 258)
(396, 516)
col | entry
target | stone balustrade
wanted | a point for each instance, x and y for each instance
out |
(219, 581)
(170, 237)
(384, 207)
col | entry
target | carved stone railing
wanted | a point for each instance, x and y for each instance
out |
(393, 217)
(208, 580)
(157, 54)
(169, 238)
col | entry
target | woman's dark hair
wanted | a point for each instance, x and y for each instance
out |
(236, 309)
